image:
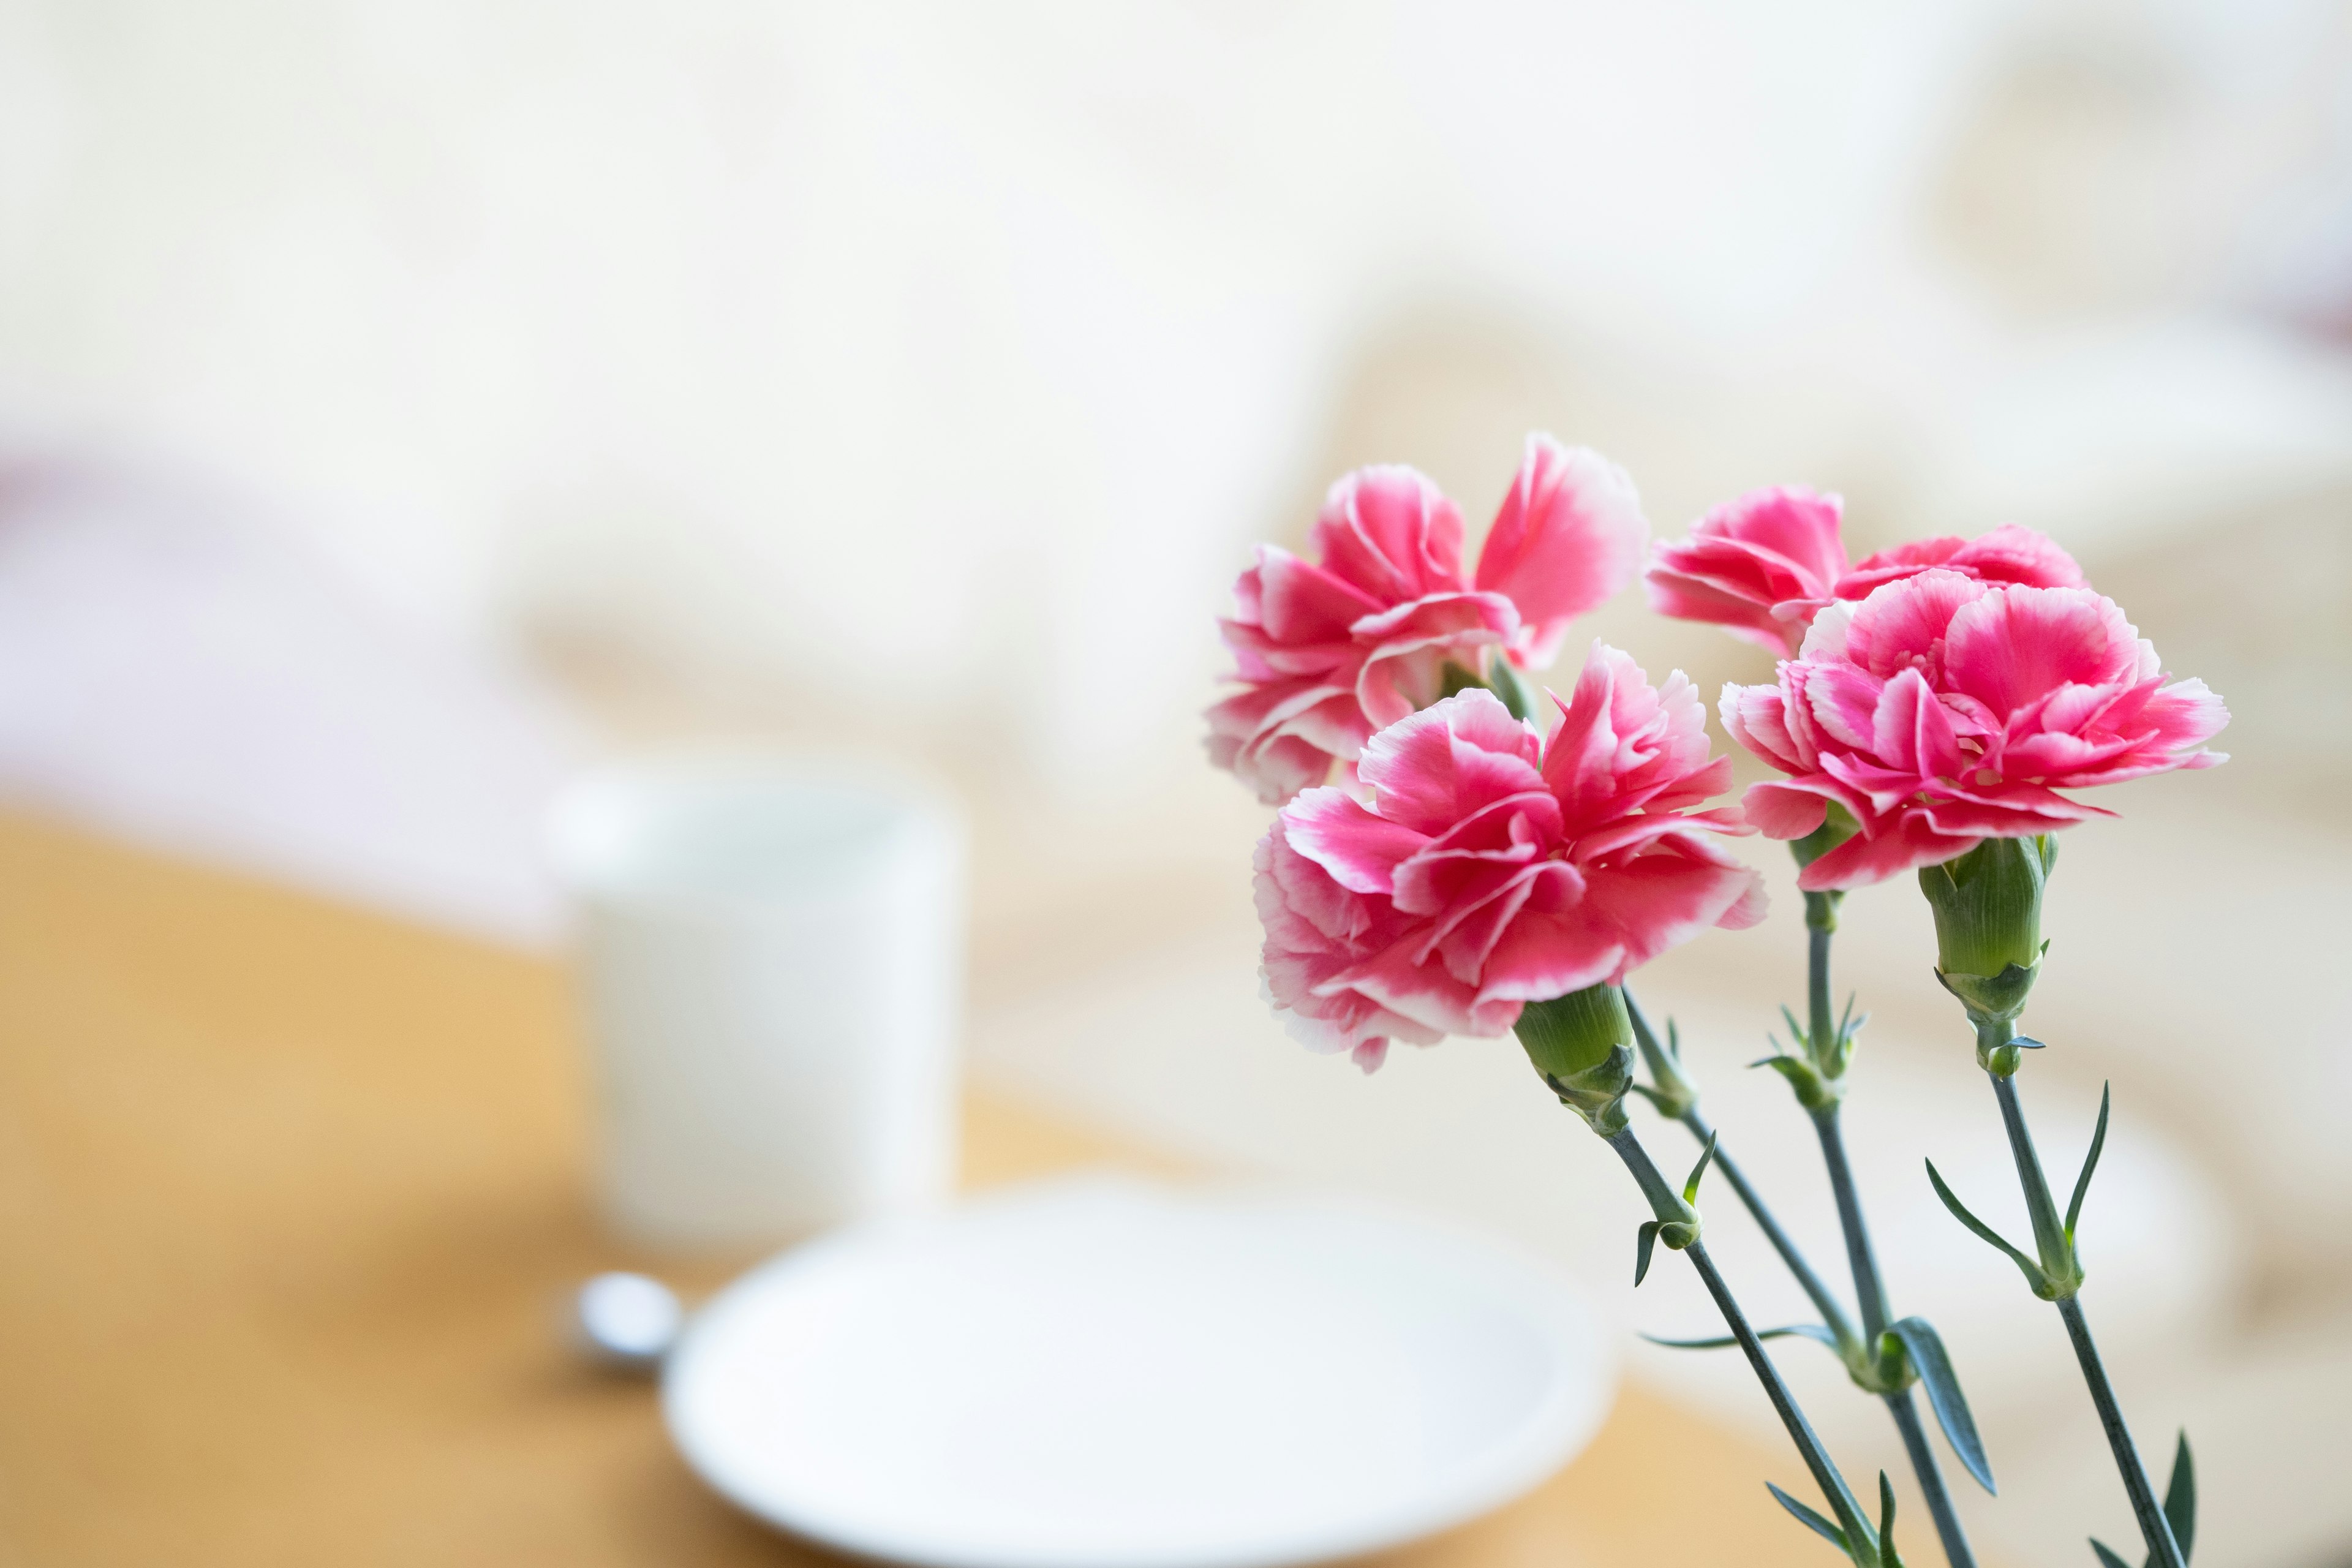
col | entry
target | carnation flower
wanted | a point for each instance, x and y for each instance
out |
(1762, 566)
(1330, 650)
(1944, 709)
(1493, 868)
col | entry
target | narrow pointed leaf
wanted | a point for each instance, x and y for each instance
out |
(2034, 1275)
(1795, 1029)
(2028, 1043)
(2090, 1163)
(2106, 1558)
(1813, 1332)
(1647, 1239)
(1812, 1521)
(1673, 1040)
(1925, 1349)
(2181, 1498)
(1886, 1553)
(1690, 1188)
(1646, 1092)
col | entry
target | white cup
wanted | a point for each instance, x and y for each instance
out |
(771, 962)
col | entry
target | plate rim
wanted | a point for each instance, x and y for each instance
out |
(1556, 1429)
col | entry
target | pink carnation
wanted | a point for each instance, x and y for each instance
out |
(1764, 566)
(1943, 710)
(1330, 651)
(1494, 868)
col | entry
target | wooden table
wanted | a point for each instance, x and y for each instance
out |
(288, 1193)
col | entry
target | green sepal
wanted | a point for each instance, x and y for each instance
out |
(1581, 1045)
(1924, 1349)
(1991, 998)
(1504, 677)
(1598, 1094)
(1453, 681)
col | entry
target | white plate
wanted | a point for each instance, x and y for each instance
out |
(1108, 1373)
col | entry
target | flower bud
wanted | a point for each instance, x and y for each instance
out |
(1988, 909)
(1582, 1047)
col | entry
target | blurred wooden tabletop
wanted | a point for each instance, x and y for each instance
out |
(288, 1193)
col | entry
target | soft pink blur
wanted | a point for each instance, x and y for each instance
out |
(1329, 653)
(1494, 868)
(1943, 710)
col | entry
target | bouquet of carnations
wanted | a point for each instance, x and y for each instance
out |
(1461, 851)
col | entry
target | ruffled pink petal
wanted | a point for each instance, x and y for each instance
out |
(2008, 646)
(2015, 553)
(2185, 713)
(1407, 648)
(1911, 732)
(1449, 759)
(1392, 534)
(1844, 701)
(1688, 598)
(1622, 744)
(1296, 602)
(1757, 567)
(1903, 624)
(1788, 810)
(1360, 850)
(1569, 534)
(1901, 844)
(1756, 717)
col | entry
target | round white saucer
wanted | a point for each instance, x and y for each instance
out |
(1103, 1373)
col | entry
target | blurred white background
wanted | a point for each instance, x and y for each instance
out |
(399, 403)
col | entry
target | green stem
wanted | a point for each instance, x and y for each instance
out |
(1663, 1202)
(1869, 1286)
(2050, 1238)
(2164, 1551)
(2057, 1249)
(1816, 985)
(1824, 1301)
(1906, 1411)
(1870, 1293)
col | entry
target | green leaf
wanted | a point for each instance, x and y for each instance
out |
(1813, 1332)
(2034, 1275)
(1812, 1521)
(2181, 1498)
(1690, 1188)
(1887, 1557)
(2090, 1163)
(1925, 1349)
(1507, 685)
(1647, 1239)
(2106, 1558)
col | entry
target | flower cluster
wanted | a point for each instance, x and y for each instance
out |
(1332, 649)
(1944, 709)
(1764, 566)
(1495, 868)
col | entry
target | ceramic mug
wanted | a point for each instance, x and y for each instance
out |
(770, 961)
